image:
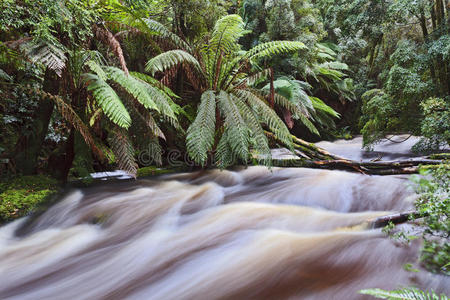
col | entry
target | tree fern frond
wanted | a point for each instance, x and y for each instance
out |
(46, 54)
(305, 121)
(319, 105)
(251, 80)
(169, 59)
(200, 135)
(158, 28)
(238, 131)
(163, 103)
(108, 100)
(133, 86)
(97, 69)
(124, 152)
(268, 116)
(224, 154)
(270, 49)
(404, 294)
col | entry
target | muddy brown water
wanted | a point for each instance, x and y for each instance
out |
(254, 233)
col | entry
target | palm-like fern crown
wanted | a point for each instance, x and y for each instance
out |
(231, 115)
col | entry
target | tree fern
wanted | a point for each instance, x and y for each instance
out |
(108, 100)
(169, 59)
(404, 294)
(200, 135)
(45, 53)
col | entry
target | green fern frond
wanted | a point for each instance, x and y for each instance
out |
(170, 59)
(200, 135)
(226, 33)
(258, 139)
(163, 103)
(5, 76)
(237, 130)
(154, 82)
(319, 105)
(133, 86)
(161, 30)
(224, 154)
(108, 100)
(270, 49)
(404, 294)
(268, 116)
(46, 54)
(97, 69)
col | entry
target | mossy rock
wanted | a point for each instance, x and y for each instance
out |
(19, 196)
(153, 171)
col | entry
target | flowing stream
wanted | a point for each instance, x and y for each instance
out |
(254, 233)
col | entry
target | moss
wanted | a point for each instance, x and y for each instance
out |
(152, 171)
(440, 156)
(19, 196)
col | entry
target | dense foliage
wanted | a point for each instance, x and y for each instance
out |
(91, 85)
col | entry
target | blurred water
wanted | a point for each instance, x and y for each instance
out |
(251, 233)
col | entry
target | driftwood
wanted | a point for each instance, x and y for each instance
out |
(311, 156)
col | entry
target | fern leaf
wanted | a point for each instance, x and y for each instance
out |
(169, 59)
(5, 76)
(108, 100)
(133, 86)
(226, 33)
(404, 294)
(154, 82)
(124, 152)
(46, 54)
(268, 116)
(238, 131)
(97, 69)
(270, 49)
(200, 135)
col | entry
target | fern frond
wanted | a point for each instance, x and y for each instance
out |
(163, 103)
(124, 152)
(200, 135)
(237, 129)
(133, 86)
(403, 294)
(268, 116)
(154, 82)
(224, 154)
(226, 33)
(155, 27)
(270, 49)
(319, 105)
(108, 100)
(169, 59)
(46, 54)
(97, 69)
(258, 139)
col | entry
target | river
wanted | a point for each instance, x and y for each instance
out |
(249, 233)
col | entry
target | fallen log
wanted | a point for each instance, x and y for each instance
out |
(311, 156)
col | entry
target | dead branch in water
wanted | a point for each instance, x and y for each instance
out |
(398, 218)
(312, 156)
